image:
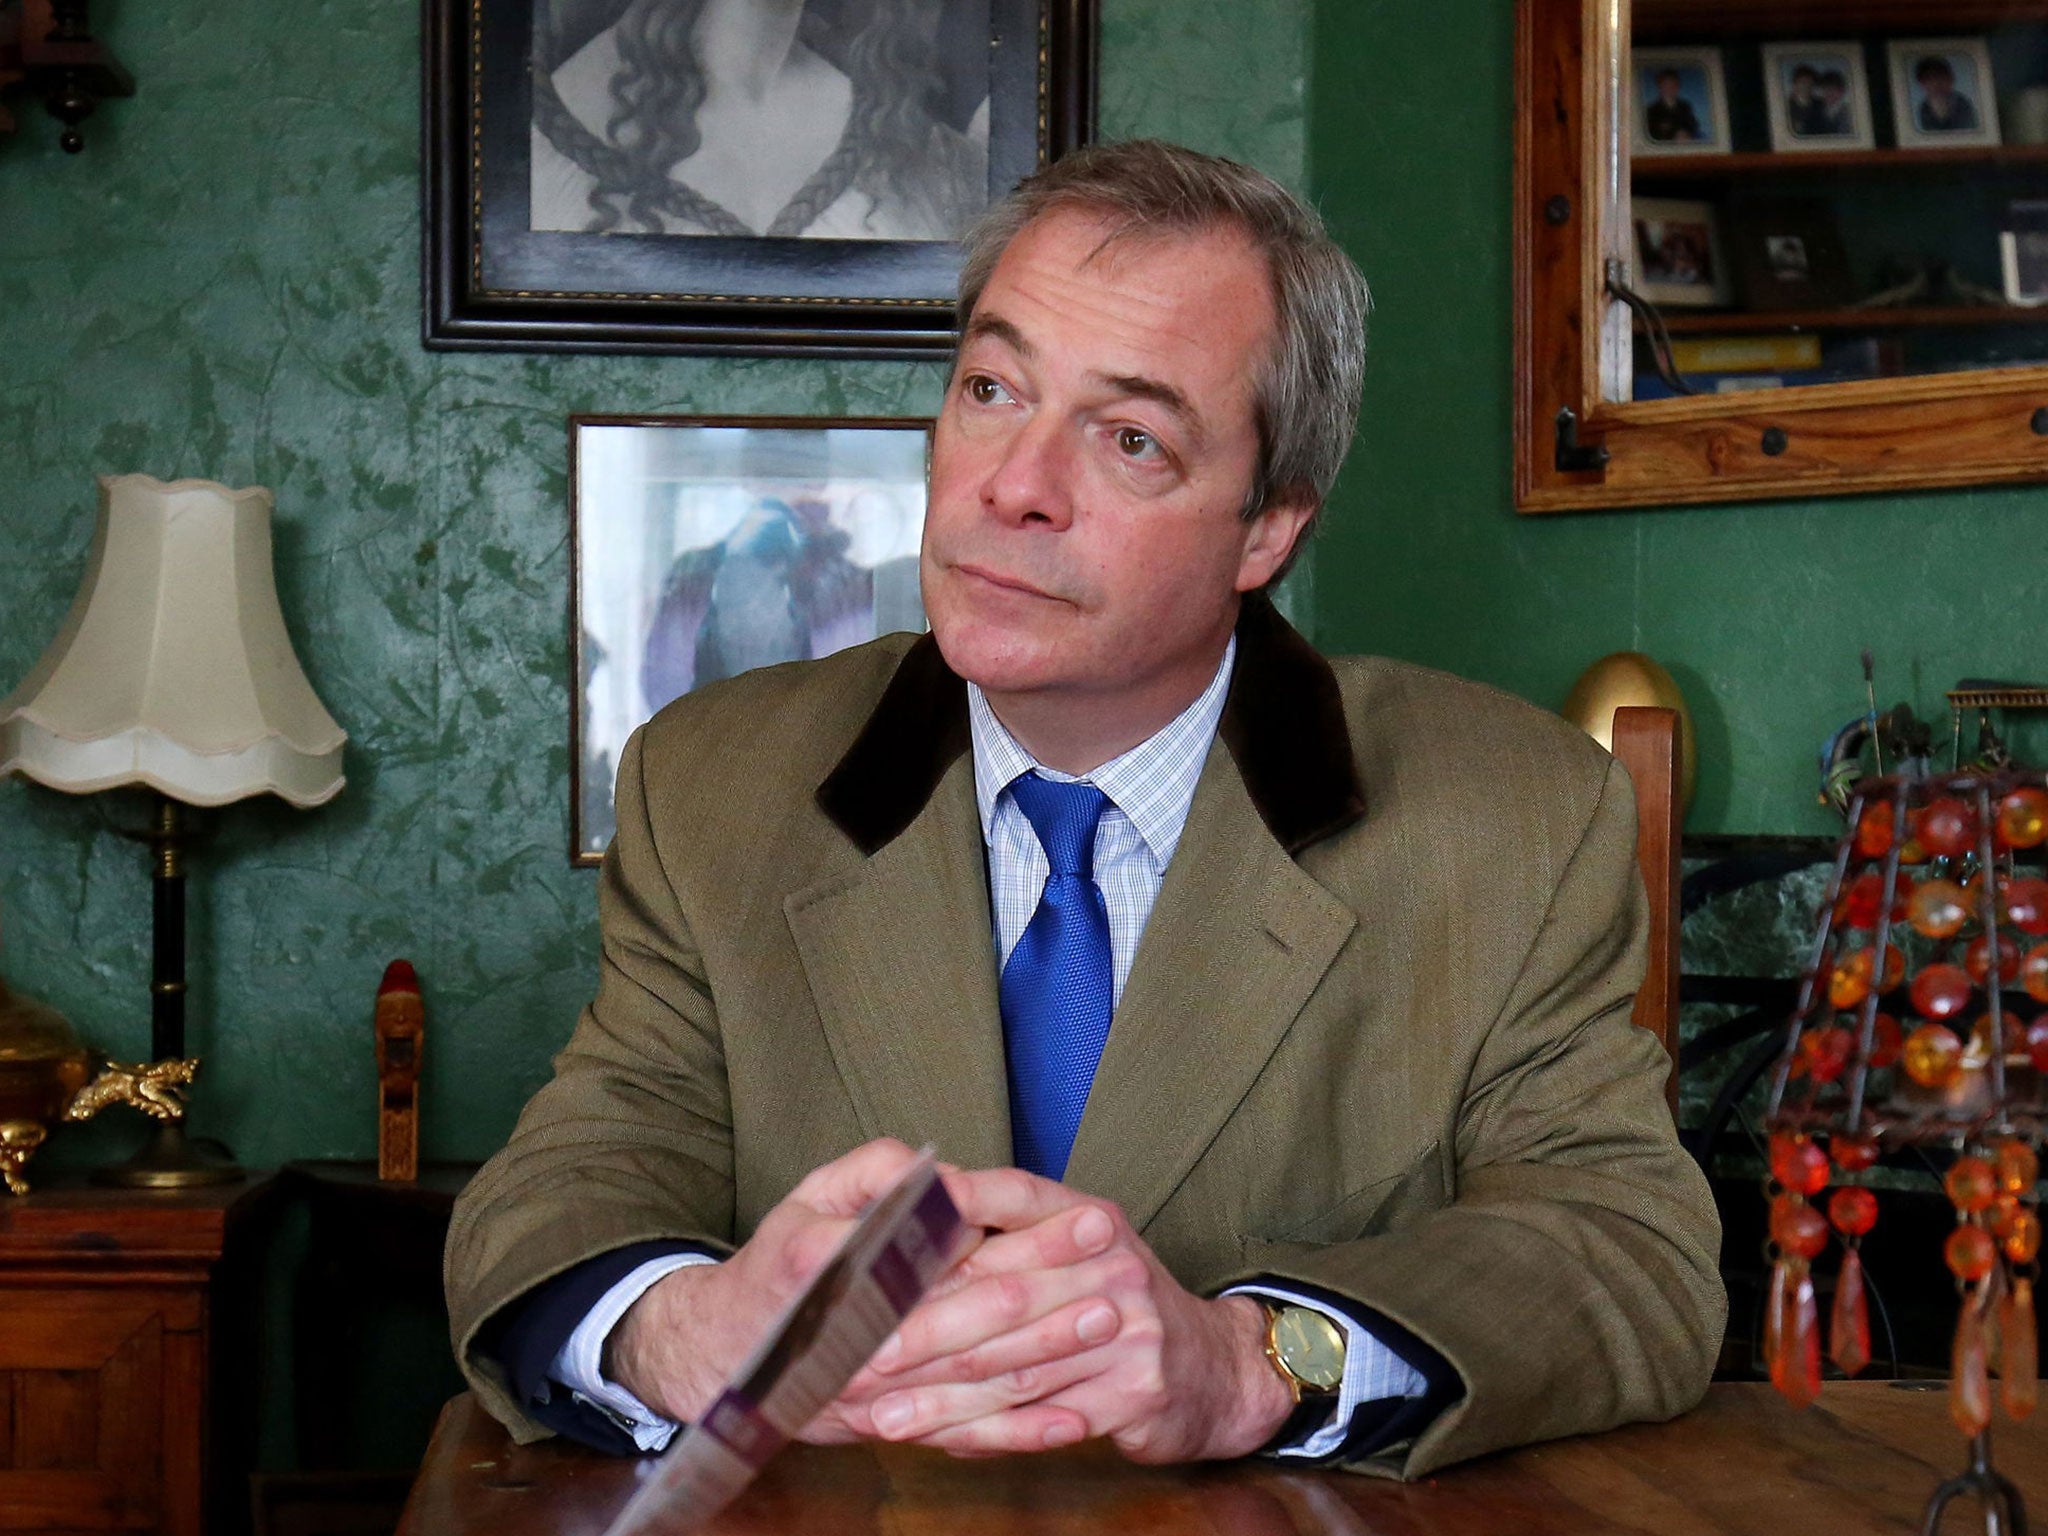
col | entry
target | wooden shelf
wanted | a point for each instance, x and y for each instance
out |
(1678, 20)
(1749, 162)
(1708, 322)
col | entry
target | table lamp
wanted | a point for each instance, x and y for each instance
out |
(173, 670)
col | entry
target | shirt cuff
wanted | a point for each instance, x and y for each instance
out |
(579, 1364)
(1372, 1371)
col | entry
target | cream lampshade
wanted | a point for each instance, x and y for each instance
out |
(173, 670)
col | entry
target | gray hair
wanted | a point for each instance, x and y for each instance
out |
(1305, 400)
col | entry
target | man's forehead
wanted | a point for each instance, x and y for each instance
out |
(1137, 299)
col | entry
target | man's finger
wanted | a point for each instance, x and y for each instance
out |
(1079, 1325)
(1066, 1237)
(846, 1185)
(990, 1309)
(1009, 1199)
(919, 1413)
(1034, 1427)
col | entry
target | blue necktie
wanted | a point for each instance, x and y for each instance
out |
(1058, 989)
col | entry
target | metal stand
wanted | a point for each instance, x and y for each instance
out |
(169, 1161)
(2005, 1513)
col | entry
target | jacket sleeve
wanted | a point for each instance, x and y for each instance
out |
(1571, 1282)
(631, 1140)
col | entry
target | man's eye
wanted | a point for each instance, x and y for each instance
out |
(1134, 443)
(983, 390)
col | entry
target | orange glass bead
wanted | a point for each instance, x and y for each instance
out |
(1998, 1219)
(1797, 1227)
(2022, 1237)
(2019, 1383)
(1861, 902)
(1825, 1052)
(1852, 1154)
(2026, 904)
(1947, 828)
(1977, 961)
(1792, 1333)
(1852, 1211)
(2016, 1165)
(1969, 1253)
(2034, 973)
(1971, 1184)
(1969, 1387)
(1849, 982)
(1886, 1040)
(1938, 908)
(2037, 1043)
(2023, 818)
(1798, 1164)
(1874, 830)
(1940, 991)
(1932, 1056)
(1849, 1328)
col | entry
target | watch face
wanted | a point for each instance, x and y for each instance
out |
(1311, 1347)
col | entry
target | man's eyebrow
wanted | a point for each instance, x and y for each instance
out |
(1138, 386)
(996, 328)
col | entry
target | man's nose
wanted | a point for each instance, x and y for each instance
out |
(1031, 483)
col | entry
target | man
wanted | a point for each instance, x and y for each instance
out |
(1805, 113)
(1299, 994)
(1943, 108)
(1670, 118)
(1836, 116)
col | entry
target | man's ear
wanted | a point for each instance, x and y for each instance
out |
(1270, 536)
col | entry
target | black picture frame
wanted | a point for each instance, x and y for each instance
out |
(490, 282)
(659, 505)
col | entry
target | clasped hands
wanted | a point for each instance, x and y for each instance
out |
(1060, 1325)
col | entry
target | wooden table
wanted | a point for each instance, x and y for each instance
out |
(1743, 1464)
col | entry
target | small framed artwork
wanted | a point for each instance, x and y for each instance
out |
(1818, 95)
(2023, 251)
(786, 179)
(1680, 102)
(704, 546)
(1789, 255)
(1679, 259)
(1943, 96)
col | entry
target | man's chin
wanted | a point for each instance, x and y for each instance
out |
(996, 661)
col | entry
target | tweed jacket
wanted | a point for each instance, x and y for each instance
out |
(1375, 1041)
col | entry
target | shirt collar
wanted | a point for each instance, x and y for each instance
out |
(1153, 783)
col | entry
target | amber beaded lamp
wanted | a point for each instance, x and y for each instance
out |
(1921, 1021)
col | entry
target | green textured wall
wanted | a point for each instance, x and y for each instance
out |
(225, 284)
(1759, 610)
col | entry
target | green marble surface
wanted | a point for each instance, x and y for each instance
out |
(226, 284)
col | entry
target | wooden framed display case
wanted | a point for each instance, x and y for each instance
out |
(1859, 305)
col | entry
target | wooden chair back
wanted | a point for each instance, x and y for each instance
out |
(1646, 741)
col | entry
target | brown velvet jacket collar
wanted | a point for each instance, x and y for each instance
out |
(1283, 723)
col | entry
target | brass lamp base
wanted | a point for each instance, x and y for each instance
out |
(169, 1161)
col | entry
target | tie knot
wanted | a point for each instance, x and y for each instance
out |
(1064, 816)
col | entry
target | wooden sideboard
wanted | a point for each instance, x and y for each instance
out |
(111, 1314)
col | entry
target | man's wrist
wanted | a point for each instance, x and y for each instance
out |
(657, 1351)
(1261, 1400)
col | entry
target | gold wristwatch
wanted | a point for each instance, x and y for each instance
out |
(1306, 1348)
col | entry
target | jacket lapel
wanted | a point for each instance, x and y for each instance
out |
(899, 951)
(1237, 942)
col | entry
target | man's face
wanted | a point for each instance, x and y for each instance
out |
(1667, 87)
(1083, 542)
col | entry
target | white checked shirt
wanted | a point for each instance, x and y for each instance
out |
(1150, 789)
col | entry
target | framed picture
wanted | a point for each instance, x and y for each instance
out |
(1789, 255)
(593, 182)
(704, 546)
(2023, 251)
(1679, 259)
(1680, 101)
(1819, 98)
(1942, 92)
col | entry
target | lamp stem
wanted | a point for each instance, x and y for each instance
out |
(167, 890)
